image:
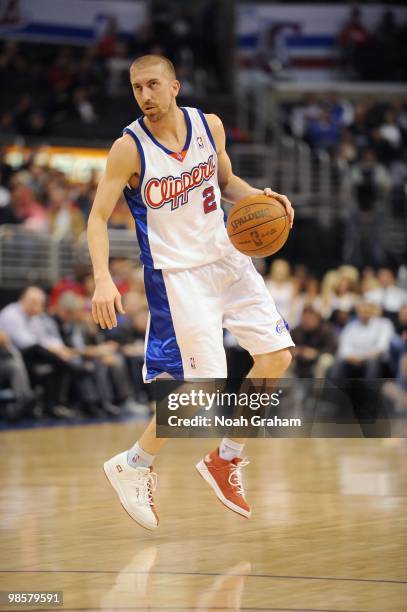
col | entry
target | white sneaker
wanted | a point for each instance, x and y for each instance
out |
(135, 487)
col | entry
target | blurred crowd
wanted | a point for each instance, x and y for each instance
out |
(41, 198)
(368, 140)
(45, 85)
(360, 48)
(356, 49)
(56, 363)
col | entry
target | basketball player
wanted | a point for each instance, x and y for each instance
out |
(173, 168)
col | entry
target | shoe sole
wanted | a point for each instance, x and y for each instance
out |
(206, 475)
(116, 486)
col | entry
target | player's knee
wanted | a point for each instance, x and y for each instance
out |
(274, 364)
(282, 359)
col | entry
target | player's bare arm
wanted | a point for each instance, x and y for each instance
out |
(123, 164)
(234, 188)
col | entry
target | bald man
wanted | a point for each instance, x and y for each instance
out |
(173, 168)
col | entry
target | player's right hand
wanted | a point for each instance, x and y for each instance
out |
(106, 300)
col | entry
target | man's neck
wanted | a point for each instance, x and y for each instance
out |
(171, 124)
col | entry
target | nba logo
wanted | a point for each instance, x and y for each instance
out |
(200, 142)
(192, 363)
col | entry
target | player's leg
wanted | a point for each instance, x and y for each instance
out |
(250, 315)
(183, 340)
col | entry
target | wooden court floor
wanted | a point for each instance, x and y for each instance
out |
(328, 531)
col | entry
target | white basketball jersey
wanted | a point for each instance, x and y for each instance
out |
(179, 219)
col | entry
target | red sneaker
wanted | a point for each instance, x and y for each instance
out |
(225, 478)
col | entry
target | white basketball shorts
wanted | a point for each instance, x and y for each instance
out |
(189, 309)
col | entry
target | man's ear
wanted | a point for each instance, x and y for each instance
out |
(176, 87)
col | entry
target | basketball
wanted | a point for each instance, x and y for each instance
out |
(258, 225)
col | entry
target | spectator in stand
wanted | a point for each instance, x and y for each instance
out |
(121, 270)
(352, 40)
(14, 375)
(398, 344)
(74, 283)
(388, 138)
(315, 345)
(345, 295)
(24, 209)
(370, 185)
(107, 44)
(388, 295)
(82, 106)
(396, 392)
(6, 171)
(281, 287)
(386, 38)
(347, 150)
(358, 127)
(302, 114)
(47, 359)
(308, 297)
(363, 345)
(64, 218)
(104, 386)
(324, 132)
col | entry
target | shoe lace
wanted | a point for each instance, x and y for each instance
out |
(235, 476)
(145, 488)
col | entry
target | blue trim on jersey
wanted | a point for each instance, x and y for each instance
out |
(207, 129)
(137, 207)
(161, 146)
(162, 351)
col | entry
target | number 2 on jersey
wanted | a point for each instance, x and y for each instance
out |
(209, 200)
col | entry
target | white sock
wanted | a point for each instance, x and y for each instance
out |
(137, 457)
(229, 449)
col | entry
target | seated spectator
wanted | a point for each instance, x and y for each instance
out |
(395, 392)
(363, 345)
(281, 287)
(14, 376)
(370, 183)
(345, 296)
(398, 343)
(26, 210)
(324, 132)
(104, 387)
(352, 40)
(315, 345)
(309, 296)
(388, 296)
(46, 357)
(121, 270)
(74, 283)
(64, 218)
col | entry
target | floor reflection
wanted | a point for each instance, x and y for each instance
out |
(140, 585)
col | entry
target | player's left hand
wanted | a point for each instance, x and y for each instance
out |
(283, 200)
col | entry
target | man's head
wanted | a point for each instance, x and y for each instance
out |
(69, 306)
(385, 277)
(311, 319)
(365, 311)
(32, 301)
(154, 84)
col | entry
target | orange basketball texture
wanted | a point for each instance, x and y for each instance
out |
(258, 225)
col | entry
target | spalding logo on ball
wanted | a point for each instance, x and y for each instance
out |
(258, 225)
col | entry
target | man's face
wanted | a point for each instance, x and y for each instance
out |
(310, 320)
(385, 277)
(365, 311)
(33, 302)
(154, 90)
